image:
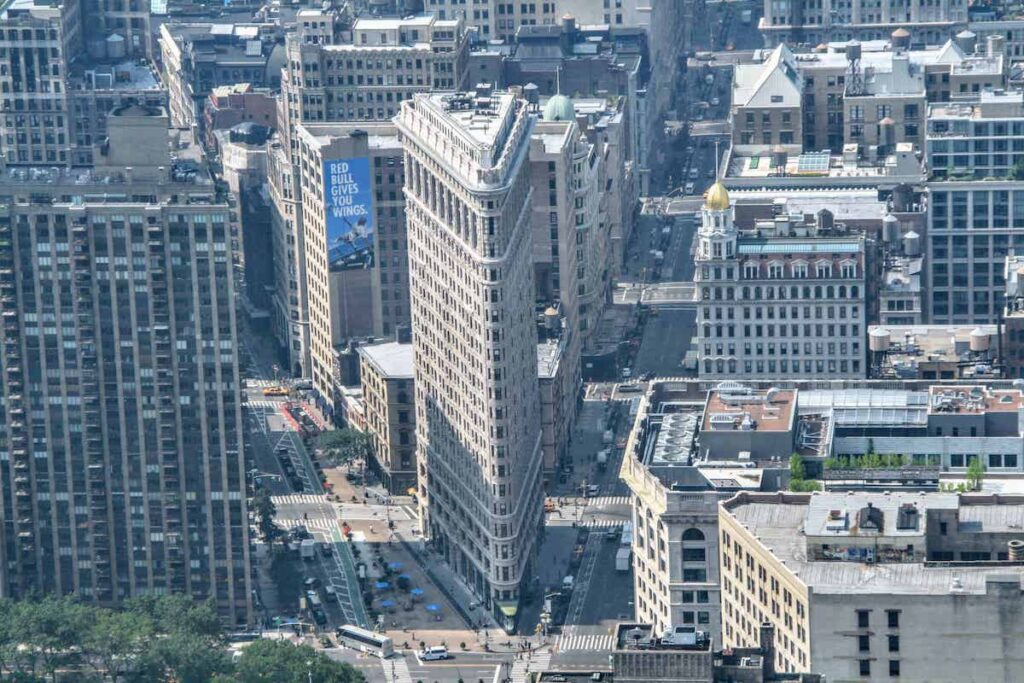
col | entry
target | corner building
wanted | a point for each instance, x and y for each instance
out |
(468, 195)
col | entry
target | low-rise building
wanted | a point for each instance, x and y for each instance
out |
(809, 283)
(875, 586)
(939, 352)
(386, 374)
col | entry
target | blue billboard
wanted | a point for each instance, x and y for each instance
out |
(348, 198)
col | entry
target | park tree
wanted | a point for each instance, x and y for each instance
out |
(276, 661)
(344, 445)
(264, 509)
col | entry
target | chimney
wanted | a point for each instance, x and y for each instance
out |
(767, 633)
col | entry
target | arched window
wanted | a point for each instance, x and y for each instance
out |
(707, 366)
(721, 365)
(830, 292)
(853, 292)
(693, 535)
(842, 291)
(794, 292)
(757, 293)
(732, 365)
(746, 293)
(707, 331)
(694, 550)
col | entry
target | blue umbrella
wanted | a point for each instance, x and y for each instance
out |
(382, 584)
(395, 565)
(433, 608)
(387, 603)
(416, 591)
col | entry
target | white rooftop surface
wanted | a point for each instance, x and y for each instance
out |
(391, 359)
(549, 353)
(844, 204)
(780, 528)
(482, 127)
(775, 83)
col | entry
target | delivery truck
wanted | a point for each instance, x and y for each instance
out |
(622, 559)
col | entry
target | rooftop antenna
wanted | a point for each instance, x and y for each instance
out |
(717, 162)
(558, 79)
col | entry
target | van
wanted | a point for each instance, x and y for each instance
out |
(330, 594)
(435, 653)
(568, 582)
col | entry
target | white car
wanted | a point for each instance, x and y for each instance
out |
(688, 189)
(435, 653)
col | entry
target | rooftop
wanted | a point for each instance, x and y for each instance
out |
(976, 399)
(822, 165)
(784, 245)
(549, 354)
(780, 522)
(391, 359)
(736, 407)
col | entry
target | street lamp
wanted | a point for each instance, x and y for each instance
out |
(309, 670)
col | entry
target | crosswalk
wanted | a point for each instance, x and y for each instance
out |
(297, 499)
(608, 501)
(600, 642)
(311, 524)
(264, 405)
(396, 670)
(261, 383)
(521, 668)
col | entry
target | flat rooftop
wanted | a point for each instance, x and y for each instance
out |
(549, 354)
(972, 399)
(779, 521)
(933, 342)
(391, 359)
(845, 204)
(748, 410)
(482, 119)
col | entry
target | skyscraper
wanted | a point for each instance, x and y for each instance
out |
(468, 192)
(121, 465)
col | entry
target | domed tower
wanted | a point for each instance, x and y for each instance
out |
(717, 231)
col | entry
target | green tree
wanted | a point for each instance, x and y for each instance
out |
(344, 445)
(115, 639)
(264, 509)
(276, 661)
(796, 467)
(975, 474)
(52, 631)
(189, 658)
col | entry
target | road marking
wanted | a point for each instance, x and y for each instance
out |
(298, 499)
(582, 586)
(263, 405)
(591, 641)
(396, 670)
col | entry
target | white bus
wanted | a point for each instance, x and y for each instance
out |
(365, 641)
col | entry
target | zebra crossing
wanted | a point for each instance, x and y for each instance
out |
(521, 668)
(396, 670)
(600, 642)
(261, 383)
(608, 501)
(311, 524)
(264, 405)
(586, 521)
(297, 499)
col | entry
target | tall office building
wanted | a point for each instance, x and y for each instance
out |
(122, 471)
(468, 200)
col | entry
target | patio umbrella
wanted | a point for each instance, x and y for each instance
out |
(381, 585)
(387, 603)
(416, 592)
(433, 608)
(395, 565)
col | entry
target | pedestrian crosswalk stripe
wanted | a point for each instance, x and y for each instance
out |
(396, 670)
(298, 499)
(603, 501)
(594, 642)
(264, 405)
(314, 523)
(262, 383)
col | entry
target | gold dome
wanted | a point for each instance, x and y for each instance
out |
(717, 197)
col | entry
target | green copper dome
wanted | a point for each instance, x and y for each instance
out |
(559, 108)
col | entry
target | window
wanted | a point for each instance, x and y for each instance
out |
(693, 535)
(865, 667)
(863, 618)
(894, 667)
(863, 644)
(894, 643)
(695, 575)
(893, 618)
